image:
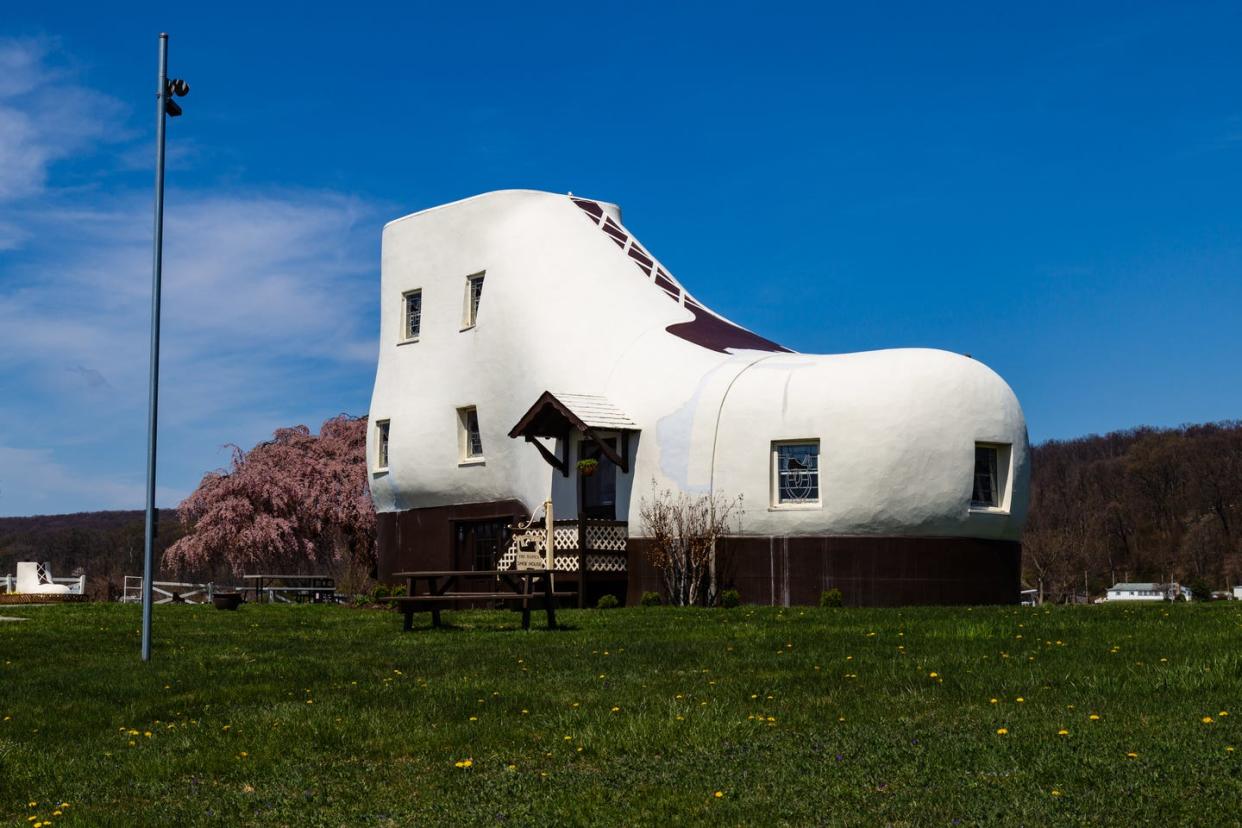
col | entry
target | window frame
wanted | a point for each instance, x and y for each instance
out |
(465, 457)
(1002, 481)
(775, 503)
(405, 338)
(470, 308)
(383, 446)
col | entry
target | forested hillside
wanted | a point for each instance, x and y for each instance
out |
(1140, 505)
(104, 545)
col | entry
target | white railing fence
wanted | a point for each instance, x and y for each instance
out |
(166, 592)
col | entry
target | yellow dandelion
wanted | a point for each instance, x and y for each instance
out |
(525, 711)
(511, 767)
(1094, 717)
(933, 674)
(474, 718)
(1020, 700)
(718, 794)
(1132, 755)
(1206, 720)
(992, 701)
(616, 710)
(1055, 792)
(1062, 732)
(569, 738)
(1002, 731)
(1223, 713)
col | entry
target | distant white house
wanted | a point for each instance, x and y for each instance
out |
(1146, 592)
(1237, 593)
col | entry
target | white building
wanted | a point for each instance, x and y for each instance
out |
(524, 331)
(1145, 592)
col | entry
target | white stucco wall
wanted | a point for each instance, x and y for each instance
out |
(564, 310)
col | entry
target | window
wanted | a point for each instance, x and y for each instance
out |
(991, 477)
(474, 295)
(795, 473)
(470, 441)
(411, 315)
(381, 445)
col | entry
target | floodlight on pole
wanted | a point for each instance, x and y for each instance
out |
(165, 107)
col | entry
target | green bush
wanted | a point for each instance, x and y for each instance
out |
(607, 601)
(730, 598)
(650, 599)
(831, 598)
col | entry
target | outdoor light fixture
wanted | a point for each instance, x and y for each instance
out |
(165, 107)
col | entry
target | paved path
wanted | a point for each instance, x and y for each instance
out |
(4, 618)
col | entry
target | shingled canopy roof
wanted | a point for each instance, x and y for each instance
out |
(556, 415)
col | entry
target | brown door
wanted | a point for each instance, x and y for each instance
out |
(480, 543)
(599, 491)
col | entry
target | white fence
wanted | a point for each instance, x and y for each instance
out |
(166, 592)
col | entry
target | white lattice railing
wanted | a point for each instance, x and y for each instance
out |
(605, 544)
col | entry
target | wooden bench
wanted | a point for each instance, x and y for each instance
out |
(521, 589)
(407, 605)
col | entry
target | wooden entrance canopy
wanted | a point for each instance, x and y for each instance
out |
(558, 415)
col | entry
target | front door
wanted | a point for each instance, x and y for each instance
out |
(480, 543)
(599, 491)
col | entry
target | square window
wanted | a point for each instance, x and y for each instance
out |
(991, 477)
(795, 471)
(474, 295)
(470, 440)
(411, 315)
(381, 445)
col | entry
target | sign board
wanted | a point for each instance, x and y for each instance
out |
(530, 559)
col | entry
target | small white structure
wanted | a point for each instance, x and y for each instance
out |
(1145, 592)
(1237, 593)
(36, 579)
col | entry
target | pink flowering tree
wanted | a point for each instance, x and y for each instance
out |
(298, 502)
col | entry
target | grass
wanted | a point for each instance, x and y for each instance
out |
(329, 716)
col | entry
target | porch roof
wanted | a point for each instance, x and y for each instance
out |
(554, 414)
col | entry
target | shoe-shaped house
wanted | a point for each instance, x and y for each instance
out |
(524, 331)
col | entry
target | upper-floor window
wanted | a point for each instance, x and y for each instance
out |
(411, 315)
(474, 295)
(795, 472)
(381, 445)
(991, 476)
(470, 440)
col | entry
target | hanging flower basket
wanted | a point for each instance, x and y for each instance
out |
(586, 468)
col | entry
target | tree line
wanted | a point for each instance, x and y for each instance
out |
(1145, 504)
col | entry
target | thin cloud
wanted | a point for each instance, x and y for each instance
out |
(269, 313)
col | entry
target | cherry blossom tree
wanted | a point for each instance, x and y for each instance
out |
(299, 501)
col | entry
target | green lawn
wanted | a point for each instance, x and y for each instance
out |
(331, 716)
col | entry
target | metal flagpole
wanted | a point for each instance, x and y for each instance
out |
(164, 107)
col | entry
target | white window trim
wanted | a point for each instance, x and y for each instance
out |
(403, 339)
(464, 457)
(1004, 477)
(382, 426)
(469, 314)
(774, 487)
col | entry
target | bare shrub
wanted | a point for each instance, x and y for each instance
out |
(683, 530)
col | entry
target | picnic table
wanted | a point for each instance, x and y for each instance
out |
(510, 586)
(300, 587)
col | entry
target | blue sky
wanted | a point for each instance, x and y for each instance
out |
(1052, 189)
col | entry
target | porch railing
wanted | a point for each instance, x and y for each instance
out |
(604, 547)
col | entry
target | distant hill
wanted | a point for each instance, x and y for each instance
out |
(104, 545)
(1146, 504)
